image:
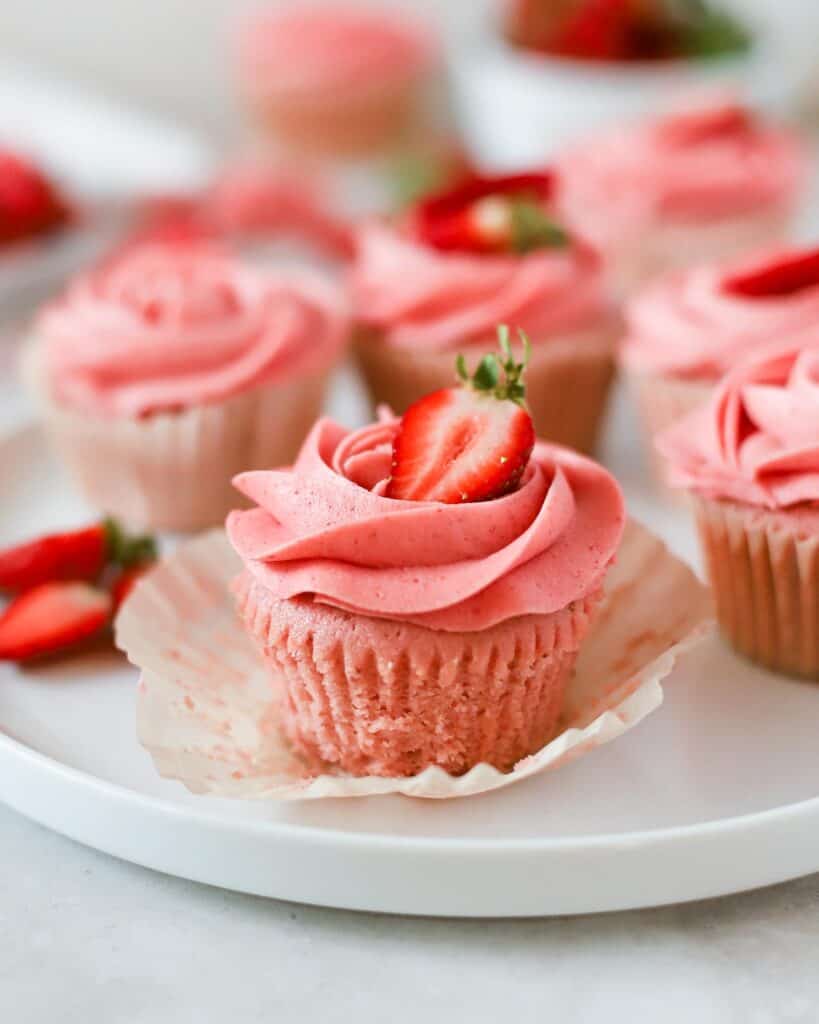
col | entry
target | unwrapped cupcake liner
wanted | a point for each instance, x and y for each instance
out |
(207, 716)
(173, 470)
(764, 572)
(660, 402)
(353, 689)
(568, 379)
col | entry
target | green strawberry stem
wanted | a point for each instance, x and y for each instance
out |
(125, 550)
(501, 378)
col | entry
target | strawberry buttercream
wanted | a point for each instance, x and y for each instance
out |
(165, 327)
(419, 297)
(757, 441)
(324, 530)
(698, 324)
(702, 164)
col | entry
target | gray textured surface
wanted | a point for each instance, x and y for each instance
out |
(85, 939)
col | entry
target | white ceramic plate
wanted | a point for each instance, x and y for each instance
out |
(716, 792)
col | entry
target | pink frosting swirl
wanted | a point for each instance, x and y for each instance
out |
(757, 441)
(697, 324)
(167, 326)
(704, 163)
(425, 298)
(320, 48)
(325, 530)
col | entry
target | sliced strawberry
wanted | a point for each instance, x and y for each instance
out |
(52, 617)
(126, 581)
(74, 555)
(793, 273)
(599, 30)
(29, 203)
(491, 215)
(468, 443)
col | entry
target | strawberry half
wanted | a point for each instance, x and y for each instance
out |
(793, 273)
(72, 555)
(506, 214)
(29, 203)
(52, 617)
(467, 443)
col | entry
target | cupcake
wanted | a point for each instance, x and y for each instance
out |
(164, 372)
(438, 281)
(697, 186)
(420, 587)
(337, 81)
(750, 458)
(688, 329)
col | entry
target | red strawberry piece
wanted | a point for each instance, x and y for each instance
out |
(600, 30)
(533, 23)
(74, 555)
(29, 203)
(491, 215)
(126, 581)
(690, 127)
(51, 618)
(793, 273)
(467, 443)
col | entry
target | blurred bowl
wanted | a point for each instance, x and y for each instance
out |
(517, 108)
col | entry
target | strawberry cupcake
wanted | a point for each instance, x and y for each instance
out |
(751, 460)
(697, 186)
(165, 371)
(335, 81)
(420, 587)
(438, 281)
(691, 327)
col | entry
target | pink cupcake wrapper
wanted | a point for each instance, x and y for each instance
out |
(173, 470)
(765, 579)
(567, 381)
(206, 714)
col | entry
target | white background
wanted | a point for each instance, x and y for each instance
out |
(174, 55)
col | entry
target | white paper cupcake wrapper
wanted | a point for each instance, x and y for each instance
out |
(205, 710)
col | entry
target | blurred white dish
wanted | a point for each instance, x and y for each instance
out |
(517, 108)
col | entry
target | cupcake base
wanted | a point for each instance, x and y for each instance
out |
(764, 571)
(662, 401)
(377, 697)
(173, 470)
(567, 381)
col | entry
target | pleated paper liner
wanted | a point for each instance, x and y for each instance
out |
(206, 714)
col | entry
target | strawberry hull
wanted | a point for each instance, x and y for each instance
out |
(568, 379)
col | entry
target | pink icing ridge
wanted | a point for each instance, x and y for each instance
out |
(690, 325)
(324, 529)
(164, 326)
(633, 175)
(428, 299)
(321, 48)
(757, 441)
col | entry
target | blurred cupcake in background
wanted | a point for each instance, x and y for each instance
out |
(170, 368)
(270, 213)
(750, 458)
(699, 185)
(334, 81)
(689, 328)
(439, 279)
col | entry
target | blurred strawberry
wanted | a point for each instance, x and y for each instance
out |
(490, 215)
(52, 617)
(29, 203)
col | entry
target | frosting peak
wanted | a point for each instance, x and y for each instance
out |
(163, 326)
(425, 298)
(324, 530)
(757, 441)
(697, 324)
